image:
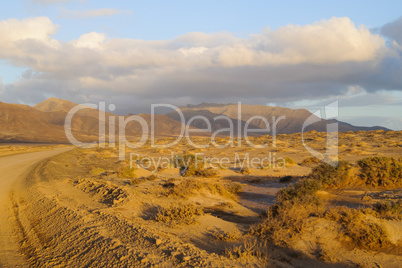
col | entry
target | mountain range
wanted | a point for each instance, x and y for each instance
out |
(44, 122)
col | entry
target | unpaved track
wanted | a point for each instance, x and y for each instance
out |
(13, 170)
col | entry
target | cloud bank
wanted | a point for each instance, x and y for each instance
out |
(320, 60)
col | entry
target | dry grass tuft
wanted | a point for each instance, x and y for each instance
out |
(126, 172)
(227, 236)
(179, 214)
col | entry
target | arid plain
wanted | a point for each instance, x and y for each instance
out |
(85, 207)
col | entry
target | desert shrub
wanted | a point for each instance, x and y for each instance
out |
(381, 171)
(183, 189)
(191, 165)
(230, 189)
(364, 233)
(322, 176)
(332, 176)
(367, 234)
(391, 210)
(179, 214)
(284, 221)
(302, 191)
(244, 171)
(227, 236)
(169, 184)
(248, 249)
(152, 177)
(136, 181)
(234, 187)
(311, 160)
(126, 172)
(286, 179)
(207, 173)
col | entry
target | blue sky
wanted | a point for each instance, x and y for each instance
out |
(127, 28)
(152, 20)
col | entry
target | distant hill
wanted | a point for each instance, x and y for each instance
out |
(21, 123)
(44, 122)
(293, 122)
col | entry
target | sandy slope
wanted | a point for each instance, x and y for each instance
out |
(12, 170)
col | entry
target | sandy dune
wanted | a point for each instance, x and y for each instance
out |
(12, 170)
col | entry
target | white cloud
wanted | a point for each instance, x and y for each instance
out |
(326, 42)
(103, 12)
(321, 60)
(13, 31)
(91, 40)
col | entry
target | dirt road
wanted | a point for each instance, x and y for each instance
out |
(13, 170)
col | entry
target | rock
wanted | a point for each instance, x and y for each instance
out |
(158, 242)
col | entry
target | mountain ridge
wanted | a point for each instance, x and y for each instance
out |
(44, 122)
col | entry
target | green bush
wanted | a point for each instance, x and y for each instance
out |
(126, 172)
(303, 190)
(381, 171)
(332, 176)
(191, 165)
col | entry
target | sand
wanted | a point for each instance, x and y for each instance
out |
(60, 211)
(13, 170)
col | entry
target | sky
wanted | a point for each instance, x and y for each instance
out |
(297, 54)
